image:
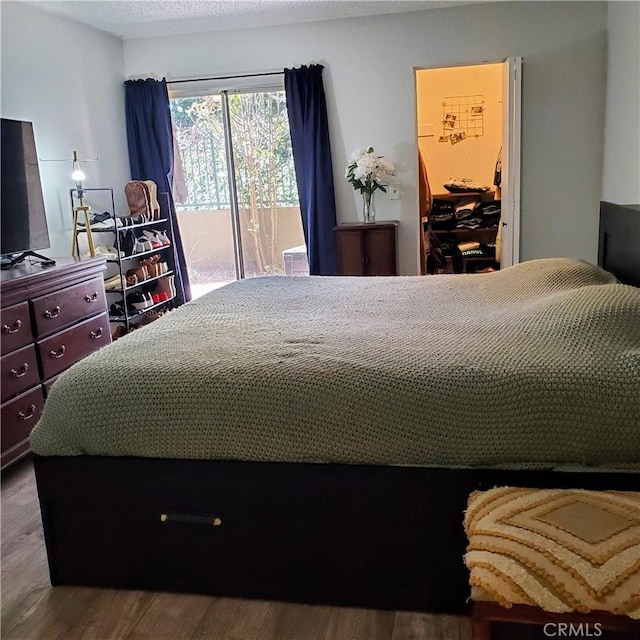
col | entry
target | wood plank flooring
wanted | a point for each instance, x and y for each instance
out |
(32, 609)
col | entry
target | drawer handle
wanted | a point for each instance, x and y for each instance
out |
(27, 416)
(13, 329)
(18, 373)
(191, 519)
(51, 314)
(91, 298)
(97, 333)
(57, 353)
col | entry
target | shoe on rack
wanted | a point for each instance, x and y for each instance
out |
(127, 240)
(116, 309)
(141, 245)
(128, 221)
(106, 252)
(153, 265)
(155, 241)
(149, 298)
(119, 332)
(110, 252)
(137, 194)
(150, 259)
(158, 269)
(94, 218)
(153, 199)
(148, 215)
(162, 236)
(160, 297)
(154, 270)
(141, 273)
(109, 223)
(139, 300)
(166, 285)
(116, 283)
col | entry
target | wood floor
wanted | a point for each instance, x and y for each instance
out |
(32, 609)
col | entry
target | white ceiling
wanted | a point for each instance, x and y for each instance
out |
(143, 18)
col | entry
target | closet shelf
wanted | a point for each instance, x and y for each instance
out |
(489, 231)
(485, 196)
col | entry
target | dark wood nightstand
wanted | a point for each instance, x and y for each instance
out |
(367, 249)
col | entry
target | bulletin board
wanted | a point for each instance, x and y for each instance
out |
(462, 117)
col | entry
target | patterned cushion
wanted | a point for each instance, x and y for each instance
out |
(558, 549)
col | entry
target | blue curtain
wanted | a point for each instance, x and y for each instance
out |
(150, 140)
(309, 127)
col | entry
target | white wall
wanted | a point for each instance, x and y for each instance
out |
(621, 177)
(369, 82)
(68, 80)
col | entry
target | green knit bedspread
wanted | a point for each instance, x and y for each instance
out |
(535, 364)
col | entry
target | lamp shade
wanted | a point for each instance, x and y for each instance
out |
(77, 175)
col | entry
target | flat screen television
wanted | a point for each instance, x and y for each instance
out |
(23, 222)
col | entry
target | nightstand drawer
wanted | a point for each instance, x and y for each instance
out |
(19, 416)
(62, 308)
(19, 371)
(60, 351)
(16, 327)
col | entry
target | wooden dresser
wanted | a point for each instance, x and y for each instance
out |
(367, 249)
(50, 317)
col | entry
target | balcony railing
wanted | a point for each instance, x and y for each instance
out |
(205, 175)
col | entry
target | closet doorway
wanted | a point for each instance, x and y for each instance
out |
(468, 143)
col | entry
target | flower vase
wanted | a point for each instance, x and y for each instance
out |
(368, 206)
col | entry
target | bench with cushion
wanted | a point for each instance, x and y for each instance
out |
(554, 556)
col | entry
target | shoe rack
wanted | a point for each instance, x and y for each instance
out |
(140, 277)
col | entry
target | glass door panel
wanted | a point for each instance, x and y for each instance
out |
(263, 235)
(201, 192)
(271, 233)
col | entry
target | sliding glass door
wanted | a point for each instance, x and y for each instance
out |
(235, 188)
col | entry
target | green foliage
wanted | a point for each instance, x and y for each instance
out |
(263, 160)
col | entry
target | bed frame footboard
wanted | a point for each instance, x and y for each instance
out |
(364, 536)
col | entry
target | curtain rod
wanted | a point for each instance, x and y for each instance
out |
(244, 75)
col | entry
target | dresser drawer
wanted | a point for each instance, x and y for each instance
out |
(16, 327)
(19, 416)
(62, 308)
(19, 371)
(60, 351)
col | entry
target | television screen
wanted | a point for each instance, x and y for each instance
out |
(23, 222)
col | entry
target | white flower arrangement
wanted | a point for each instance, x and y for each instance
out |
(368, 172)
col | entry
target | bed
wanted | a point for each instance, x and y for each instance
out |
(326, 454)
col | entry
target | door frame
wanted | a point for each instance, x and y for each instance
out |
(512, 125)
(512, 136)
(224, 87)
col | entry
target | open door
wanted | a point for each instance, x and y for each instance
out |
(467, 115)
(510, 185)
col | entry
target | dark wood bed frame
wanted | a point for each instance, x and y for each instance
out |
(369, 536)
